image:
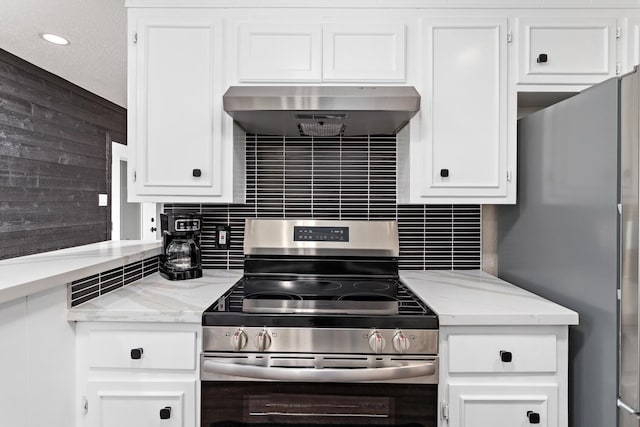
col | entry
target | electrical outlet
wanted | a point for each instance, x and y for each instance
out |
(223, 237)
(103, 199)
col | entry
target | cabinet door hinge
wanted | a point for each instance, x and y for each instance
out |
(444, 411)
(618, 32)
(135, 38)
(135, 175)
(84, 405)
(509, 175)
(618, 69)
(509, 37)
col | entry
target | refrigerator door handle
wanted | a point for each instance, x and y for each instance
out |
(626, 407)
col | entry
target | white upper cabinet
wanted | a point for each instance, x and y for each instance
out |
(632, 54)
(364, 52)
(580, 50)
(279, 53)
(314, 51)
(181, 148)
(461, 152)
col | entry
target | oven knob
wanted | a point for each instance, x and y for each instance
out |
(376, 341)
(400, 342)
(263, 340)
(239, 340)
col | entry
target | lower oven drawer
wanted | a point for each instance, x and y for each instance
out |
(270, 404)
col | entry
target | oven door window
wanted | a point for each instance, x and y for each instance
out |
(272, 404)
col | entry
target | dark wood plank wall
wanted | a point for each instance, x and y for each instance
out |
(55, 158)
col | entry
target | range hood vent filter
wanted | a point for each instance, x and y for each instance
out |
(321, 111)
(319, 129)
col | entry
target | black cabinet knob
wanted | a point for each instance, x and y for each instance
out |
(136, 353)
(197, 173)
(165, 413)
(444, 173)
(542, 58)
(506, 356)
(154, 229)
(534, 417)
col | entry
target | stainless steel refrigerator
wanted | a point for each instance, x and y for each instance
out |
(572, 237)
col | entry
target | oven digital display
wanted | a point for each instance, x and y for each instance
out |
(320, 234)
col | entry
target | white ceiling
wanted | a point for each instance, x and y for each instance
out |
(96, 59)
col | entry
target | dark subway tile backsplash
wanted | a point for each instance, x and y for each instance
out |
(88, 288)
(339, 178)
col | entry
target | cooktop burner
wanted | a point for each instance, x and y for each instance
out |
(322, 303)
(317, 288)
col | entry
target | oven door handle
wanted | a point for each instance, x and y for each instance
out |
(322, 374)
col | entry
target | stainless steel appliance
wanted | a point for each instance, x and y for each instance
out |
(180, 257)
(573, 238)
(321, 110)
(317, 323)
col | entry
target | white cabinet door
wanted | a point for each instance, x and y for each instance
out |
(565, 50)
(141, 404)
(633, 44)
(175, 107)
(282, 52)
(364, 52)
(463, 152)
(511, 405)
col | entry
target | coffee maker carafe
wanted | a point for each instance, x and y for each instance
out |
(180, 258)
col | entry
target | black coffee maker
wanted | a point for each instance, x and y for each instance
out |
(180, 258)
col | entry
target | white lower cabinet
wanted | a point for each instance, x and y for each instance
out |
(503, 405)
(138, 374)
(141, 404)
(504, 376)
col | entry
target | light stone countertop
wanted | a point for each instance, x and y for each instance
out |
(458, 297)
(473, 297)
(26, 275)
(156, 299)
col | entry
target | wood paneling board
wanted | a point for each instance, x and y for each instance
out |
(55, 144)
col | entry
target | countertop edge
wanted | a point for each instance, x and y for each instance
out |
(140, 317)
(541, 319)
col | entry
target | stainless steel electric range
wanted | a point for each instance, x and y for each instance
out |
(318, 321)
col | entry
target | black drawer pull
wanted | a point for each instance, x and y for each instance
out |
(197, 173)
(444, 173)
(506, 356)
(542, 58)
(534, 417)
(136, 353)
(165, 413)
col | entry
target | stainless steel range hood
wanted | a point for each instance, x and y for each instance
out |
(321, 110)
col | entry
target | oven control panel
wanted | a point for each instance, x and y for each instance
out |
(357, 341)
(320, 234)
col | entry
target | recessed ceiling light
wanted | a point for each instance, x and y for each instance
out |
(55, 39)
